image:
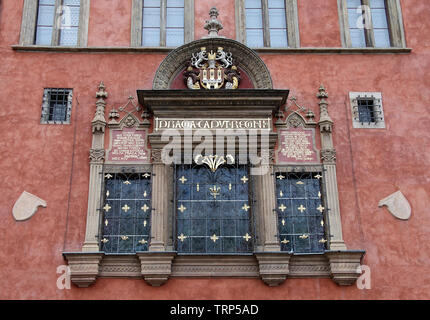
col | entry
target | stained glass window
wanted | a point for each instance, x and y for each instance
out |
(126, 212)
(300, 209)
(213, 209)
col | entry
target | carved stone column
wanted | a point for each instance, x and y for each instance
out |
(97, 156)
(265, 195)
(328, 155)
(159, 203)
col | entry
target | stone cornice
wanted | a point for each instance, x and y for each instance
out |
(272, 267)
(164, 50)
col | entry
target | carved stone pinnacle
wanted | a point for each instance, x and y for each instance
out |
(213, 25)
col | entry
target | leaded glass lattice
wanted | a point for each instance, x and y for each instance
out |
(300, 208)
(126, 207)
(213, 209)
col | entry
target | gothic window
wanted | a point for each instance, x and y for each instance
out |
(367, 111)
(268, 23)
(371, 23)
(213, 209)
(162, 23)
(300, 209)
(57, 106)
(55, 22)
(126, 209)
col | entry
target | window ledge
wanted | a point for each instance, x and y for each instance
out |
(157, 267)
(304, 50)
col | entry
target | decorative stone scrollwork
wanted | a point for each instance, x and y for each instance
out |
(328, 156)
(97, 155)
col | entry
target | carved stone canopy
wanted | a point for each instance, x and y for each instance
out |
(245, 58)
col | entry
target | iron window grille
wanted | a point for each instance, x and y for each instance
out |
(126, 212)
(213, 209)
(301, 211)
(367, 110)
(56, 106)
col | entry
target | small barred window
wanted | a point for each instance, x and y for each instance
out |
(367, 110)
(57, 106)
(300, 209)
(126, 208)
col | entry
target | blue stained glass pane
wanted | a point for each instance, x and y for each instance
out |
(44, 35)
(382, 38)
(252, 4)
(45, 16)
(72, 2)
(377, 4)
(151, 37)
(254, 38)
(278, 38)
(277, 18)
(254, 18)
(353, 3)
(277, 4)
(151, 17)
(151, 3)
(49, 2)
(379, 18)
(175, 3)
(175, 18)
(358, 39)
(69, 37)
(174, 37)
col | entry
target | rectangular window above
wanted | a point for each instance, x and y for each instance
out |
(162, 23)
(55, 22)
(57, 106)
(371, 23)
(267, 23)
(367, 110)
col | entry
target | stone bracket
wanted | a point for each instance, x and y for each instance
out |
(84, 267)
(273, 267)
(344, 266)
(156, 267)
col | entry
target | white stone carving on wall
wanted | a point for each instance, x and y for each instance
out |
(26, 206)
(398, 205)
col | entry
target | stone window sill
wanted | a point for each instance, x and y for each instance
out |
(303, 50)
(157, 267)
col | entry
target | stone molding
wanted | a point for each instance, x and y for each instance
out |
(272, 267)
(247, 58)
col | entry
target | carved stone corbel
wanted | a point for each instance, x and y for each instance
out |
(273, 267)
(156, 267)
(344, 266)
(84, 267)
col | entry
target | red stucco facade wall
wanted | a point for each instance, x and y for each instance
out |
(51, 161)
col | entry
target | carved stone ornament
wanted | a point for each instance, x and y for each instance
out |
(328, 156)
(97, 155)
(212, 70)
(26, 206)
(84, 267)
(397, 205)
(345, 266)
(273, 267)
(156, 267)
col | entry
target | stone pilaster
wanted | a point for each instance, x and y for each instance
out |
(265, 195)
(97, 157)
(159, 203)
(328, 157)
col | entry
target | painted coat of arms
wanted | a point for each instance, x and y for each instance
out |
(212, 70)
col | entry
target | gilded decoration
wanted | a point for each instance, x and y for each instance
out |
(212, 70)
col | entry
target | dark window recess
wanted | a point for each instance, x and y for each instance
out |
(57, 105)
(126, 208)
(367, 111)
(213, 210)
(300, 209)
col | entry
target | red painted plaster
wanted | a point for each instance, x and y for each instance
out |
(371, 164)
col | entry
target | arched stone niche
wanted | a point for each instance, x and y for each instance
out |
(247, 60)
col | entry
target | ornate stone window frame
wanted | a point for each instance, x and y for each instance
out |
(137, 20)
(291, 15)
(395, 24)
(377, 98)
(29, 21)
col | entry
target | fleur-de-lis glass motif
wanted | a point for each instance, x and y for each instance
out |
(215, 191)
